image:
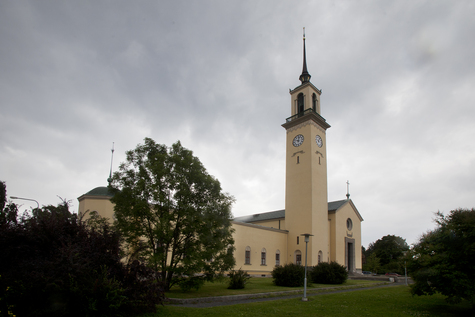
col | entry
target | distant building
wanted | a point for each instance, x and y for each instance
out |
(265, 240)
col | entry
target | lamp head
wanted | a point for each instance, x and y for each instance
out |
(307, 235)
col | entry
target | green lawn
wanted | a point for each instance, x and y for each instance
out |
(255, 285)
(388, 301)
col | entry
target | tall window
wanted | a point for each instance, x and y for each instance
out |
(263, 256)
(300, 105)
(314, 102)
(248, 256)
(298, 239)
(320, 256)
(298, 257)
(277, 258)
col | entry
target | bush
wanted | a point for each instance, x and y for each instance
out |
(328, 273)
(238, 279)
(62, 266)
(291, 275)
(194, 282)
(142, 289)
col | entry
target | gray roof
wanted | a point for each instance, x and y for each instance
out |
(332, 206)
(261, 217)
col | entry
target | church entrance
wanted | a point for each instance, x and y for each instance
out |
(350, 254)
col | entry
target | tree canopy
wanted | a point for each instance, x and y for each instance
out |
(389, 250)
(173, 214)
(443, 259)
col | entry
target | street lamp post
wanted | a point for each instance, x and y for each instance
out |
(307, 238)
(14, 197)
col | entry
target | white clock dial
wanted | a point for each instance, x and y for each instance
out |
(298, 140)
(319, 141)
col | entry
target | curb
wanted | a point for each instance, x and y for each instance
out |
(231, 298)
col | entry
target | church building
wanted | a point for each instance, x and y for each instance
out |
(265, 240)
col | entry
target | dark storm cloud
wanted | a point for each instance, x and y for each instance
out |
(397, 81)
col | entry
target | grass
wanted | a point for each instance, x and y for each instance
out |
(255, 285)
(387, 301)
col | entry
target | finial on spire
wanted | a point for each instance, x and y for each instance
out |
(347, 190)
(109, 180)
(305, 77)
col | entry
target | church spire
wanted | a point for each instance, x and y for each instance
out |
(109, 180)
(305, 77)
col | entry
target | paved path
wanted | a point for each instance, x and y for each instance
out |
(264, 297)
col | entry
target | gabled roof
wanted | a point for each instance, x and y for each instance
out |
(334, 205)
(279, 214)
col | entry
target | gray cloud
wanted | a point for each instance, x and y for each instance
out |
(397, 81)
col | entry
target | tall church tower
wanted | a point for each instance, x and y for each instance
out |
(306, 199)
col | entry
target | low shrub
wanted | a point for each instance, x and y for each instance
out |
(238, 279)
(291, 275)
(193, 282)
(328, 273)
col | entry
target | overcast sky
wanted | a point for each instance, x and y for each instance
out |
(398, 82)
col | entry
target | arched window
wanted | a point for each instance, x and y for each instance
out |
(298, 257)
(320, 256)
(263, 256)
(300, 105)
(277, 258)
(314, 102)
(248, 255)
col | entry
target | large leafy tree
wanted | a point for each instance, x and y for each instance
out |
(443, 259)
(173, 214)
(389, 250)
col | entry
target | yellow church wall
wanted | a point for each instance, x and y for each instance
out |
(306, 191)
(320, 200)
(258, 238)
(341, 236)
(101, 204)
(274, 223)
(331, 236)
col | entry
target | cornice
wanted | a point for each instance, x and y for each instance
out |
(302, 86)
(309, 119)
(245, 224)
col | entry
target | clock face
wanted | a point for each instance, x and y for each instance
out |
(298, 140)
(319, 141)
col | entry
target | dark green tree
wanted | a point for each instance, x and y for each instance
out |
(173, 214)
(389, 250)
(63, 266)
(8, 211)
(372, 263)
(443, 259)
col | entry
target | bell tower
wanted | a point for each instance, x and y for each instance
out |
(306, 199)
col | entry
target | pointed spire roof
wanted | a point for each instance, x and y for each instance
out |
(109, 180)
(305, 76)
